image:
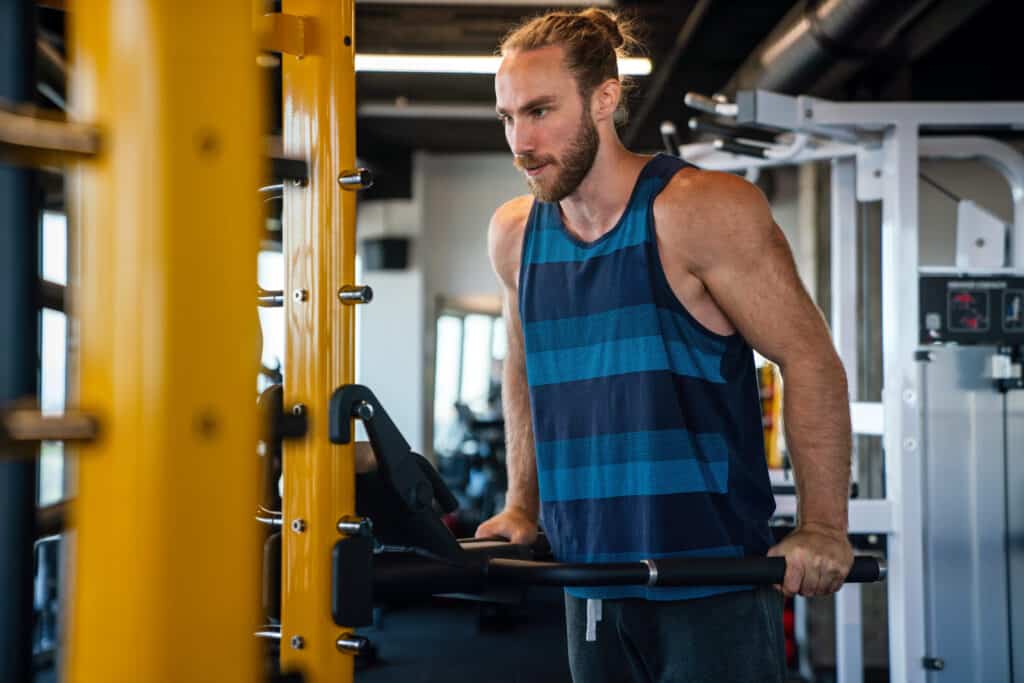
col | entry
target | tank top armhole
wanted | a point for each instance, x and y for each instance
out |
(530, 220)
(661, 278)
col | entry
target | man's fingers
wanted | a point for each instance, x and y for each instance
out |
(794, 577)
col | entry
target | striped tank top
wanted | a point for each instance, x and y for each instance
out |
(647, 425)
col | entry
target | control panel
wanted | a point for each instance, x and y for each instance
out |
(965, 308)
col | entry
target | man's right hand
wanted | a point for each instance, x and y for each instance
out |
(513, 524)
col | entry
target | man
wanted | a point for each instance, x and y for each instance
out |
(635, 288)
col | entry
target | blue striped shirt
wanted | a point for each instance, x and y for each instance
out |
(647, 425)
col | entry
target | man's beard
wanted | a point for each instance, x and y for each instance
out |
(572, 168)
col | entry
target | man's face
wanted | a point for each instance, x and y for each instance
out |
(547, 123)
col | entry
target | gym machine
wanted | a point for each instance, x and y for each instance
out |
(163, 548)
(951, 415)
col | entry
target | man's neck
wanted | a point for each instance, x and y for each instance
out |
(600, 200)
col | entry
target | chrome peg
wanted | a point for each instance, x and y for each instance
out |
(355, 294)
(359, 179)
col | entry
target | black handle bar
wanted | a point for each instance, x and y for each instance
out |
(676, 571)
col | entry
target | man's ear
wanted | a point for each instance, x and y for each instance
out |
(605, 99)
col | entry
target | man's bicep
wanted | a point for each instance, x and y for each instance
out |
(756, 284)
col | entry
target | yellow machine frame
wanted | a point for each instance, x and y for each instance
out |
(318, 91)
(164, 547)
(165, 551)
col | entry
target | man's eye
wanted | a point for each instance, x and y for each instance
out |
(539, 113)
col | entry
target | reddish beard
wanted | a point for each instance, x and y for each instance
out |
(570, 170)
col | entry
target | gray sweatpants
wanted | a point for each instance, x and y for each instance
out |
(730, 637)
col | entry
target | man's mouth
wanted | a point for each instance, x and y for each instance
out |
(534, 170)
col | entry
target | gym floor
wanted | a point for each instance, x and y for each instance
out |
(447, 640)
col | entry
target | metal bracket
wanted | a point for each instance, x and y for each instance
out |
(284, 33)
(394, 455)
(280, 424)
(870, 175)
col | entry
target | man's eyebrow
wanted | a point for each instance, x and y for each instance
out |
(542, 101)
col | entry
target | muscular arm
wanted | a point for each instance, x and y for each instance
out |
(518, 522)
(740, 255)
(519, 453)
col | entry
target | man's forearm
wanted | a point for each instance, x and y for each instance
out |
(519, 453)
(816, 409)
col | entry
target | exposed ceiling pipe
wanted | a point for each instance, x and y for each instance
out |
(665, 69)
(804, 43)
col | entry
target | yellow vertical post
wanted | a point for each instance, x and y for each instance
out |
(166, 550)
(318, 91)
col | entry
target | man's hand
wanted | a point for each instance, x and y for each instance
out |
(513, 524)
(818, 559)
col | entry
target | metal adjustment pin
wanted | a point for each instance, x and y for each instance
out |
(355, 294)
(299, 526)
(300, 295)
(351, 644)
(298, 642)
(355, 526)
(359, 179)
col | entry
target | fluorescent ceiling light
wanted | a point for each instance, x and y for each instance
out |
(466, 64)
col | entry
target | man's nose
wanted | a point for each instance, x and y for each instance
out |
(521, 139)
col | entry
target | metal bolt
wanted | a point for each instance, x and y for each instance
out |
(877, 173)
(355, 294)
(909, 396)
(352, 644)
(364, 411)
(300, 295)
(980, 242)
(298, 526)
(355, 526)
(298, 409)
(358, 179)
(298, 643)
(299, 182)
(910, 444)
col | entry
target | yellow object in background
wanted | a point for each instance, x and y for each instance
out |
(770, 383)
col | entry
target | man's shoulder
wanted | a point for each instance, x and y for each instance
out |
(511, 216)
(696, 198)
(505, 237)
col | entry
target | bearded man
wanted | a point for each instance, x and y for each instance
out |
(635, 290)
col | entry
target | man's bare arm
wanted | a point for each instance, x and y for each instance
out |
(519, 453)
(739, 253)
(518, 521)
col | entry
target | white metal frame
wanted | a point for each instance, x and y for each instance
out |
(875, 150)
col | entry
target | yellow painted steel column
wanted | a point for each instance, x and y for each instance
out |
(165, 548)
(319, 243)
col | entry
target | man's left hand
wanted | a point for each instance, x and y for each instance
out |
(818, 560)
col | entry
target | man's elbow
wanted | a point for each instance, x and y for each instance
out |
(821, 363)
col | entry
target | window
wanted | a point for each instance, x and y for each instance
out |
(270, 275)
(53, 356)
(467, 370)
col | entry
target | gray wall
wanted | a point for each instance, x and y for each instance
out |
(453, 199)
(389, 346)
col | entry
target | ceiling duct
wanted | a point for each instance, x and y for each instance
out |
(811, 37)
